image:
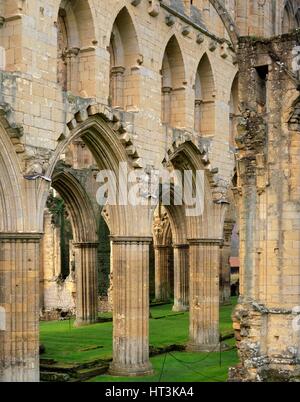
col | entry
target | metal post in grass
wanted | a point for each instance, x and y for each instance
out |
(220, 358)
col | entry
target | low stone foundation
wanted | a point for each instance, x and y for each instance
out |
(59, 299)
(104, 304)
(268, 372)
(56, 315)
(267, 346)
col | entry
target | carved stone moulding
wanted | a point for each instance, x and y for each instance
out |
(135, 2)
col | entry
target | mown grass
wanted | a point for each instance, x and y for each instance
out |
(67, 344)
(184, 367)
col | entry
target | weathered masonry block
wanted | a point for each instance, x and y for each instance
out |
(268, 187)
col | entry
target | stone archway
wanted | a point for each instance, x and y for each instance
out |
(106, 136)
(205, 238)
(181, 257)
(85, 243)
(173, 91)
(177, 222)
(10, 183)
(124, 60)
(205, 98)
(163, 253)
(76, 53)
(130, 226)
(19, 268)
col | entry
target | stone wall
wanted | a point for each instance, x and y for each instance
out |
(94, 69)
(57, 294)
(40, 106)
(268, 187)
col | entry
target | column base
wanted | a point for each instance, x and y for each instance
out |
(137, 371)
(225, 303)
(165, 301)
(202, 348)
(26, 372)
(180, 308)
(84, 323)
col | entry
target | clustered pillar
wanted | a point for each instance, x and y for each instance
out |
(225, 269)
(181, 277)
(204, 295)
(72, 69)
(86, 284)
(19, 301)
(131, 306)
(166, 104)
(117, 86)
(198, 109)
(162, 289)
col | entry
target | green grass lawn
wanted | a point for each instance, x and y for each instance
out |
(184, 367)
(67, 344)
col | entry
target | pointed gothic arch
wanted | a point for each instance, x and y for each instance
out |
(204, 238)
(290, 19)
(233, 110)
(79, 206)
(84, 227)
(76, 38)
(124, 57)
(11, 217)
(11, 33)
(173, 89)
(204, 90)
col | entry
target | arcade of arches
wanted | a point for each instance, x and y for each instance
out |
(88, 84)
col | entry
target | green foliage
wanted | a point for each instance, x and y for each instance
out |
(104, 253)
(56, 206)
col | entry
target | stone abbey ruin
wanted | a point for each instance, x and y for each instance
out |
(209, 86)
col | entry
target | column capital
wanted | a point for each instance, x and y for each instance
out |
(131, 239)
(209, 242)
(117, 70)
(181, 246)
(166, 90)
(161, 246)
(20, 236)
(86, 244)
(72, 51)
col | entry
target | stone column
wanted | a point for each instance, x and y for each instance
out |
(204, 294)
(86, 284)
(198, 108)
(162, 293)
(19, 302)
(181, 277)
(225, 274)
(72, 69)
(131, 307)
(111, 284)
(117, 86)
(166, 104)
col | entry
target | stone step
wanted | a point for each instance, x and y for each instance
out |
(63, 368)
(86, 374)
(65, 372)
(46, 376)
(227, 335)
